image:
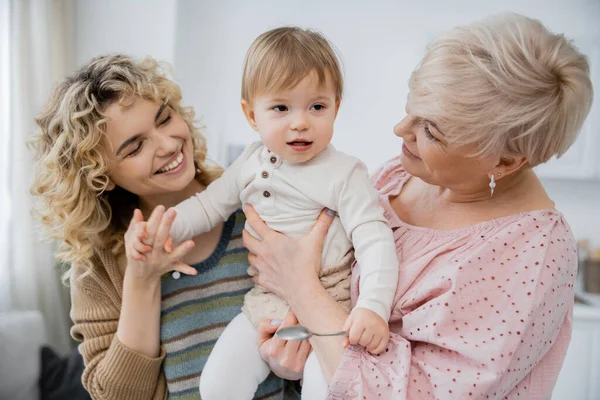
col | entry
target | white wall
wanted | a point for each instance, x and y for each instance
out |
(579, 201)
(136, 27)
(380, 42)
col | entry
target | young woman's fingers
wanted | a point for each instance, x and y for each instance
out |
(184, 268)
(153, 223)
(257, 224)
(162, 234)
(169, 245)
(181, 250)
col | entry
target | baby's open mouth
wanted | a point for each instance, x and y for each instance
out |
(299, 143)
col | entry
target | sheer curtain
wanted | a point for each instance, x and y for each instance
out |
(34, 55)
(4, 127)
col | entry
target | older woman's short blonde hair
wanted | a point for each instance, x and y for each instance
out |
(280, 58)
(71, 175)
(504, 86)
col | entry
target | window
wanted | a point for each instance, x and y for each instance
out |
(5, 117)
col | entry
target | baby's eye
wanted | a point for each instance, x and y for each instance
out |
(280, 108)
(318, 107)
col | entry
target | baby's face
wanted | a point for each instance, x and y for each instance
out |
(297, 124)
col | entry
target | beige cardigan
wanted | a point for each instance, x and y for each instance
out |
(112, 371)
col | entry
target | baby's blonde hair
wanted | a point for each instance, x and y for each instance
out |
(280, 58)
(71, 171)
(506, 86)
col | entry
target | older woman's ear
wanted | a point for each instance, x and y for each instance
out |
(509, 164)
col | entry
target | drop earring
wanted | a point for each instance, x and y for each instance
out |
(492, 185)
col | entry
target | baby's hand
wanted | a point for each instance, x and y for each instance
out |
(134, 242)
(367, 329)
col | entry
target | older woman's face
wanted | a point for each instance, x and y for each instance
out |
(149, 148)
(426, 155)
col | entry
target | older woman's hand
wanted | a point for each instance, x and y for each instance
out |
(285, 358)
(282, 264)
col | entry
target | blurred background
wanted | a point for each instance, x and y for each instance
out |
(205, 42)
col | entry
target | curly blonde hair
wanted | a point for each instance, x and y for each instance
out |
(71, 171)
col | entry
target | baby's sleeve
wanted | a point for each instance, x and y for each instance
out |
(367, 228)
(203, 211)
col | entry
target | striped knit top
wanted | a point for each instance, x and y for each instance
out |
(195, 310)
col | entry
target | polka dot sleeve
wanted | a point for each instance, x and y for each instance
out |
(486, 316)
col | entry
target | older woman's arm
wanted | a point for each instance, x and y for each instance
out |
(289, 268)
(319, 312)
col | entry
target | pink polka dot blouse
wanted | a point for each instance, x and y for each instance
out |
(483, 312)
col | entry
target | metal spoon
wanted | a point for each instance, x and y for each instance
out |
(298, 332)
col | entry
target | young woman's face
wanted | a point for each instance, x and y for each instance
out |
(149, 148)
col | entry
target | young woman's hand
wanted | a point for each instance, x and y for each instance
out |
(145, 244)
(285, 358)
(282, 264)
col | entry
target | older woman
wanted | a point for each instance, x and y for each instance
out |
(115, 138)
(487, 264)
